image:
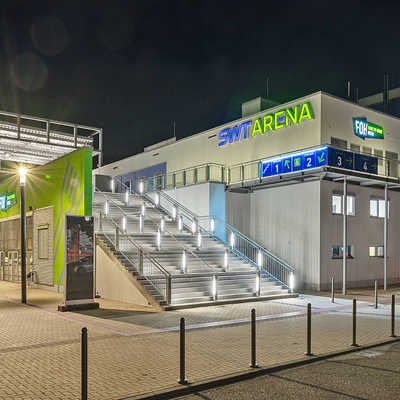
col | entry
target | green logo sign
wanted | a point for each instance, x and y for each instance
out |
(367, 130)
(7, 200)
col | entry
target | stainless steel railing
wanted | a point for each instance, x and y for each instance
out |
(137, 257)
(249, 250)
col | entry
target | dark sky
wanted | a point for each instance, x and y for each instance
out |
(132, 67)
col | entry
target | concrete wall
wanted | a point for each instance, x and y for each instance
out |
(363, 231)
(286, 220)
(114, 283)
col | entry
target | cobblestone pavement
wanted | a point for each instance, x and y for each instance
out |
(135, 351)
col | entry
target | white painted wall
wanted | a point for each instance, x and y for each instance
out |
(337, 121)
(203, 147)
(286, 221)
(114, 283)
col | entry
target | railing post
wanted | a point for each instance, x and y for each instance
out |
(116, 238)
(141, 223)
(168, 289)
(99, 222)
(215, 287)
(207, 173)
(182, 379)
(376, 293)
(253, 363)
(258, 285)
(184, 178)
(393, 315)
(222, 174)
(226, 265)
(84, 364)
(140, 261)
(174, 180)
(195, 175)
(308, 352)
(354, 323)
(333, 289)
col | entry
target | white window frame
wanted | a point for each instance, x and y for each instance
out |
(378, 201)
(350, 197)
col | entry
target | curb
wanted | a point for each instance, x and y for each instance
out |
(234, 378)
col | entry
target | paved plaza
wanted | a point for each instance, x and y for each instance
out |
(134, 351)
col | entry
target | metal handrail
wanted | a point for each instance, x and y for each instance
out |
(182, 246)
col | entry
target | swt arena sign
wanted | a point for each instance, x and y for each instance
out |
(268, 123)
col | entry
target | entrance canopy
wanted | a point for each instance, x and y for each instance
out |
(34, 140)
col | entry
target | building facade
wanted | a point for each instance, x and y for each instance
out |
(306, 179)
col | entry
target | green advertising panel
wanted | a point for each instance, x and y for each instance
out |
(65, 184)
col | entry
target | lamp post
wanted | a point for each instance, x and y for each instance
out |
(22, 180)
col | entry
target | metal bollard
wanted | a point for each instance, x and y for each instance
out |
(333, 290)
(354, 323)
(182, 379)
(253, 339)
(84, 366)
(308, 353)
(376, 294)
(393, 315)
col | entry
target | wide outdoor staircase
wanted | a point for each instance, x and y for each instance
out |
(179, 258)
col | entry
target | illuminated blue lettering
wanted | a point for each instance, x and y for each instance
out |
(233, 134)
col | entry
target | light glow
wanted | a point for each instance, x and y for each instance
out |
(141, 187)
(180, 224)
(214, 287)
(106, 207)
(174, 211)
(158, 239)
(22, 171)
(212, 225)
(259, 258)
(157, 200)
(184, 262)
(162, 224)
(291, 281)
(127, 197)
(112, 184)
(124, 223)
(226, 260)
(199, 240)
(232, 240)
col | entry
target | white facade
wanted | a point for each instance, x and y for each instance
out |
(295, 219)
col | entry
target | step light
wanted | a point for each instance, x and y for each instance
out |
(199, 240)
(259, 259)
(180, 224)
(106, 208)
(141, 187)
(194, 227)
(184, 262)
(141, 223)
(124, 223)
(127, 197)
(158, 239)
(214, 288)
(232, 240)
(212, 225)
(291, 281)
(157, 199)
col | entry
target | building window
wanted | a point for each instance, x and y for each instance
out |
(377, 208)
(392, 163)
(355, 147)
(337, 204)
(375, 251)
(43, 242)
(339, 142)
(367, 150)
(379, 154)
(337, 252)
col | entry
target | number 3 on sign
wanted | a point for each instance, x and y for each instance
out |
(339, 161)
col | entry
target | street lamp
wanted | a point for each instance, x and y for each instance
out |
(22, 171)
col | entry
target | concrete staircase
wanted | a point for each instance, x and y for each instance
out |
(202, 274)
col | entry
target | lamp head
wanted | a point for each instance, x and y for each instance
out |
(22, 171)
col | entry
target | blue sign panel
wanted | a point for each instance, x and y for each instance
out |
(287, 165)
(319, 157)
(276, 167)
(365, 164)
(340, 158)
(308, 160)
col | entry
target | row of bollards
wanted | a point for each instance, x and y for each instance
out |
(253, 360)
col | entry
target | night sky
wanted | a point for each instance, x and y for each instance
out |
(133, 67)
